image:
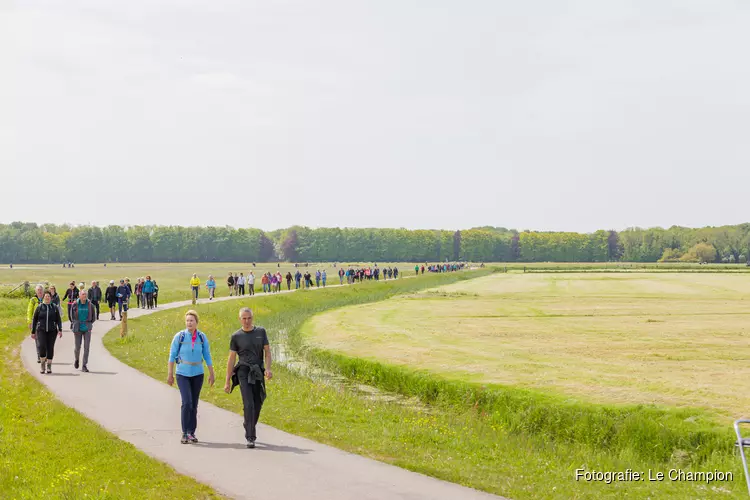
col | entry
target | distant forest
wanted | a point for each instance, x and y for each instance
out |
(48, 243)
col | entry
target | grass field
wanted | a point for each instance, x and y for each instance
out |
(679, 340)
(48, 450)
(505, 440)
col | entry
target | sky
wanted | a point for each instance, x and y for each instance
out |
(543, 114)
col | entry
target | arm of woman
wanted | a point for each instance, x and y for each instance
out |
(172, 357)
(209, 361)
(34, 320)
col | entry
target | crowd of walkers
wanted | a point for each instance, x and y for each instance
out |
(249, 361)
(44, 313)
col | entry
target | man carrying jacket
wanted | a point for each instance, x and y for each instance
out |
(250, 345)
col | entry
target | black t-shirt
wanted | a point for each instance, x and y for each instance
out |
(249, 345)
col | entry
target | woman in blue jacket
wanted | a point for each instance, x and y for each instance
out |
(189, 350)
(211, 287)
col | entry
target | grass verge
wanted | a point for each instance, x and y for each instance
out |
(457, 438)
(48, 450)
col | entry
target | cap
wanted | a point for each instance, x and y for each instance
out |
(111, 282)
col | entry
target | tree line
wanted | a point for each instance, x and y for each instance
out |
(49, 243)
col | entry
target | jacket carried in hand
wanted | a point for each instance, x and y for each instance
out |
(46, 319)
(90, 318)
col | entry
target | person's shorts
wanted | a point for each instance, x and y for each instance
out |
(111, 303)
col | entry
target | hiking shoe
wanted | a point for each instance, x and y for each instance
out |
(250, 443)
(38, 359)
(184, 439)
(192, 438)
(49, 367)
(84, 369)
(43, 371)
(75, 364)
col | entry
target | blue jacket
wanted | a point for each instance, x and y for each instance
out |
(123, 293)
(191, 354)
(148, 287)
(211, 284)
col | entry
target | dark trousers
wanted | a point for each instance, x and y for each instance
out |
(149, 300)
(45, 343)
(96, 306)
(70, 314)
(288, 284)
(190, 390)
(251, 402)
(251, 288)
(156, 300)
(242, 289)
(195, 292)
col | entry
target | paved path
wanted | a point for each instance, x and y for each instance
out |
(146, 413)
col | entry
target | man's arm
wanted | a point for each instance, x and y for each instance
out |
(267, 348)
(230, 368)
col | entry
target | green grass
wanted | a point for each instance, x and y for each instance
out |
(460, 436)
(678, 340)
(48, 450)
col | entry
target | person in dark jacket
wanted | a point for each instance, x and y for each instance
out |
(297, 279)
(156, 294)
(123, 296)
(111, 297)
(72, 295)
(46, 327)
(289, 281)
(95, 296)
(84, 315)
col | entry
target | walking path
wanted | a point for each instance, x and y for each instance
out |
(146, 413)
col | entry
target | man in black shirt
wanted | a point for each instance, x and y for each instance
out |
(250, 344)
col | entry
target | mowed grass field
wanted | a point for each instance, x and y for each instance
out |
(679, 340)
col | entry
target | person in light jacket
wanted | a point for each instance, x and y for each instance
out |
(188, 351)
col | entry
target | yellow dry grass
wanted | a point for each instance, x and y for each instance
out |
(672, 339)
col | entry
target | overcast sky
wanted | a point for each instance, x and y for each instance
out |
(541, 114)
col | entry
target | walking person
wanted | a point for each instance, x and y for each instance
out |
(33, 304)
(110, 295)
(148, 292)
(156, 294)
(297, 279)
(188, 351)
(55, 299)
(46, 327)
(274, 283)
(139, 292)
(251, 283)
(317, 278)
(123, 297)
(323, 277)
(95, 296)
(250, 345)
(242, 284)
(289, 280)
(72, 295)
(211, 287)
(236, 285)
(195, 285)
(84, 316)
(230, 284)
(341, 276)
